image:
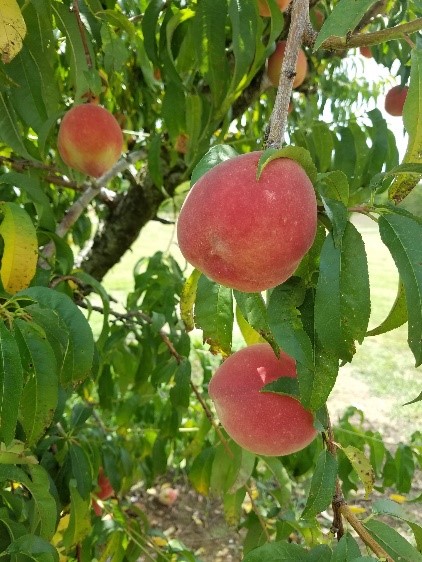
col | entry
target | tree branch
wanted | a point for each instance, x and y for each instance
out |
(374, 38)
(299, 20)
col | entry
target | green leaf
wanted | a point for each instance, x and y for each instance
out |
(232, 505)
(346, 550)
(285, 323)
(231, 468)
(10, 132)
(35, 547)
(322, 485)
(342, 300)
(277, 552)
(417, 399)
(79, 71)
(250, 335)
(397, 315)
(214, 315)
(174, 109)
(80, 517)
(405, 468)
(187, 299)
(11, 384)
(253, 310)
(343, 20)
(282, 478)
(44, 515)
(80, 351)
(402, 237)
(149, 29)
(393, 543)
(284, 385)
(81, 470)
(320, 553)
(389, 507)
(200, 471)
(40, 391)
(362, 467)
(180, 392)
(210, 30)
(322, 146)
(297, 153)
(217, 154)
(412, 121)
(334, 185)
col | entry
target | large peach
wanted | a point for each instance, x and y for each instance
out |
(245, 233)
(275, 62)
(90, 139)
(265, 423)
(394, 100)
(264, 10)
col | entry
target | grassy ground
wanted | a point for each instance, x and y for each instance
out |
(381, 377)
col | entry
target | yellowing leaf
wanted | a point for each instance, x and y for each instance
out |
(397, 498)
(19, 261)
(357, 509)
(250, 335)
(362, 467)
(12, 30)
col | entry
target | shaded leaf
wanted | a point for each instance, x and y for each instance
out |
(11, 384)
(322, 485)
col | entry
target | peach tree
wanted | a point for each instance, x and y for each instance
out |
(102, 391)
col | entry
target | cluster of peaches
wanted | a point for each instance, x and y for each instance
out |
(246, 233)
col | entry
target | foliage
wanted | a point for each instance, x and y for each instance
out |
(88, 383)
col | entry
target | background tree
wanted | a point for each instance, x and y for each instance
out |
(98, 395)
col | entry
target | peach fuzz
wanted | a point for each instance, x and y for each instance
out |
(245, 233)
(275, 62)
(264, 423)
(394, 100)
(90, 139)
(264, 9)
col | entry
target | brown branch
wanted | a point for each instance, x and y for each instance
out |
(299, 20)
(374, 38)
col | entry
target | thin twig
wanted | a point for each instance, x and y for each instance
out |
(82, 34)
(299, 19)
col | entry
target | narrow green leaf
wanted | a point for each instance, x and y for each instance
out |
(389, 507)
(214, 315)
(392, 542)
(334, 185)
(320, 553)
(342, 300)
(322, 485)
(174, 109)
(80, 517)
(412, 122)
(284, 385)
(285, 323)
(282, 478)
(217, 154)
(232, 505)
(80, 351)
(149, 29)
(34, 547)
(277, 552)
(402, 237)
(10, 132)
(40, 391)
(210, 28)
(346, 550)
(253, 309)
(200, 471)
(180, 392)
(343, 20)
(397, 315)
(11, 384)
(244, 20)
(323, 145)
(81, 470)
(417, 399)
(405, 468)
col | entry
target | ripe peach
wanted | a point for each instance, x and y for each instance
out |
(365, 52)
(245, 233)
(90, 139)
(394, 100)
(275, 62)
(264, 10)
(106, 489)
(264, 423)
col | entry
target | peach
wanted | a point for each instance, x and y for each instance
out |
(275, 62)
(264, 10)
(264, 423)
(245, 233)
(365, 52)
(394, 100)
(90, 139)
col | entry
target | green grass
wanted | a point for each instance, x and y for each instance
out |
(384, 363)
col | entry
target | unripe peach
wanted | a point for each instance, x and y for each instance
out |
(394, 100)
(264, 9)
(247, 233)
(365, 52)
(275, 62)
(90, 139)
(264, 423)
